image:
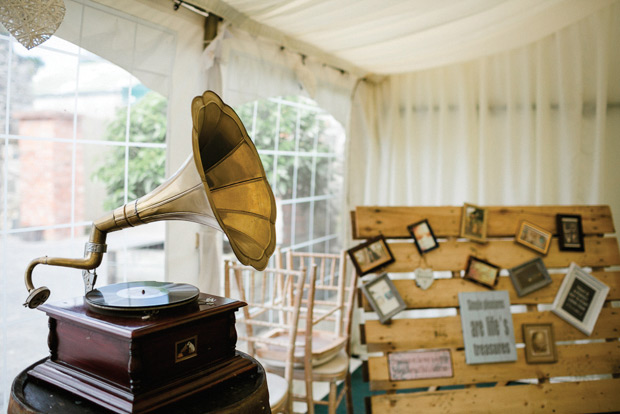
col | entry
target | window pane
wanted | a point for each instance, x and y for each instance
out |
(321, 218)
(286, 171)
(265, 125)
(44, 185)
(302, 223)
(288, 126)
(304, 177)
(4, 70)
(43, 85)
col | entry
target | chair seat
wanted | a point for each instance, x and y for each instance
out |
(278, 391)
(325, 346)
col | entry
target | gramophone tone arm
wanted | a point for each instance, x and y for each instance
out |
(93, 256)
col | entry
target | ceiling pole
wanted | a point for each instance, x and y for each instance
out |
(211, 22)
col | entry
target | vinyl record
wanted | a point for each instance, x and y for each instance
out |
(137, 296)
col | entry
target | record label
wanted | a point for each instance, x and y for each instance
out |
(135, 296)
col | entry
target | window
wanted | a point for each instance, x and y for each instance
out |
(79, 136)
(302, 149)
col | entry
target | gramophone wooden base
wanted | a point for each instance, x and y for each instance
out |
(139, 363)
(243, 394)
(119, 400)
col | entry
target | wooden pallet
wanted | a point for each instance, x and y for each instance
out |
(551, 387)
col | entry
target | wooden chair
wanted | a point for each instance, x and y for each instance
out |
(269, 321)
(328, 311)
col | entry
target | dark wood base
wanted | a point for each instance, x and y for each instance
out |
(242, 394)
(119, 400)
(139, 363)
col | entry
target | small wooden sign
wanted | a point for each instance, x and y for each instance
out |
(420, 364)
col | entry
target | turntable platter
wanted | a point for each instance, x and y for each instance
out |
(139, 296)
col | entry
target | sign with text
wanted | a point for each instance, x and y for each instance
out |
(487, 327)
(420, 364)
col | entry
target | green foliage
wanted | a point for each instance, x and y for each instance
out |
(146, 165)
(304, 130)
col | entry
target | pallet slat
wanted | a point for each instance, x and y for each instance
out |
(453, 255)
(445, 332)
(444, 292)
(568, 398)
(573, 360)
(392, 222)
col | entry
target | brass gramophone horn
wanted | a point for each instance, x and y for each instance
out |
(222, 185)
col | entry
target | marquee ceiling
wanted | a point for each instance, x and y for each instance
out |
(397, 36)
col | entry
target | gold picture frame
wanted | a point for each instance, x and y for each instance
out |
(539, 343)
(474, 222)
(533, 236)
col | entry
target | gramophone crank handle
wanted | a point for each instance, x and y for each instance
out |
(94, 251)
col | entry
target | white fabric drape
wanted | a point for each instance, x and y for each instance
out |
(401, 36)
(254, 68)
(535, 125)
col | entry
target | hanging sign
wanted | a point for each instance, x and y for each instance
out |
(487, 327)
(424, 278)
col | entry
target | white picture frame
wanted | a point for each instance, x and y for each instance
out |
(580, 299)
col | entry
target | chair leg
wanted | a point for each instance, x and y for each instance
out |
(349, 391)
(309, 394)
(333, 395)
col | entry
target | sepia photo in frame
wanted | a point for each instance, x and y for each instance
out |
(539, 343)
(383, 297)
(534, 237)
(474, 221)
(423, 236)
(371, 255)
(482, 272)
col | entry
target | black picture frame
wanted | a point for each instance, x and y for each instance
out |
(371, 255)
(570, 232)
(529, 276)
(423, 236)
(383, 297)
(482, 272)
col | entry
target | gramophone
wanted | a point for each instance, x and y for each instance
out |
(137, 346)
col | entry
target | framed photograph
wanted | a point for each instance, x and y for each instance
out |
(580, 299)
(570, 232)
(383, 297)
(534, 237)
(423, 236)
(420, 364)
(482, 272)
(539, 343)
(371, 255)
(529, 276)
(474, 223)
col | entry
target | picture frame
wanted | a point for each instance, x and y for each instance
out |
(383, 297)
(534, 237)
(371, 255)
(570, 232)
(474, 220)
(423, 236)
(482, 272)
(539, 343)
(529, 276)
(579, 299)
